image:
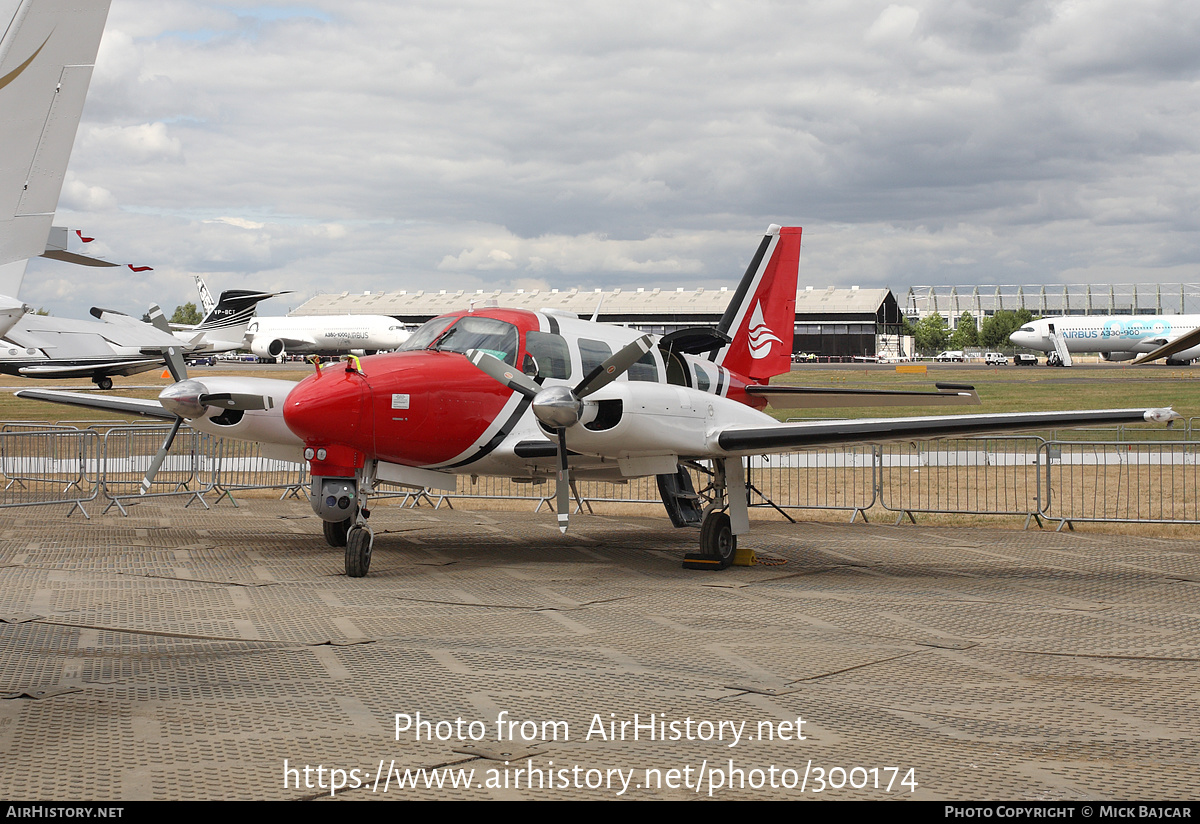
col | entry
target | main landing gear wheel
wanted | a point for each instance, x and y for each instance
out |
(336, 531)
(717, 538)
(358, 551)
(104, 383)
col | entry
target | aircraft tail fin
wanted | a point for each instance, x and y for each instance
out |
(226, 323)
(761, 317)
(46, 60)
(207, 304)
(236, 307)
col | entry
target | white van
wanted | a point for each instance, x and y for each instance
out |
(994, 359)
(955, 355)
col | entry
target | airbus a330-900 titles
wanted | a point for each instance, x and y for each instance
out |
(531, 395)
(1136, 338)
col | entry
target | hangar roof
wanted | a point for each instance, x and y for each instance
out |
(616, 304)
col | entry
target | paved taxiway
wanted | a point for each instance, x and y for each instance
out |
(184, 654)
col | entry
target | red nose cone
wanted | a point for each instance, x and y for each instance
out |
(330, 408)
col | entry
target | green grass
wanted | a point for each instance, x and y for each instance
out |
(1001, 389)
(1013, 389)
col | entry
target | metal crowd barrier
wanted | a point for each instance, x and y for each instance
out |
(240, 465)
(837, 479)
(48, 466)
(1149, 482)
(1117, 477)
(127, 452)
(976, 476)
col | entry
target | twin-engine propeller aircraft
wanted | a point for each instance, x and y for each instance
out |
(529, 395)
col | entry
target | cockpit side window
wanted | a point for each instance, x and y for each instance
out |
(551, 353)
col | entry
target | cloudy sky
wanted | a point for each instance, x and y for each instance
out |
(361, 145)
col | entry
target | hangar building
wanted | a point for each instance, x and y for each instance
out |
(829, 322)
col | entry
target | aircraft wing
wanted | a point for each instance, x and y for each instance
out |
(105, 403)
(804, 397)
(743, 440)
(87, 370)
(117, 318)
(1180, 343)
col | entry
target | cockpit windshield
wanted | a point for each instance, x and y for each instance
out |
(486, 334)
(424, 336)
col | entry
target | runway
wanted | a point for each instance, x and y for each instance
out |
(191, 654)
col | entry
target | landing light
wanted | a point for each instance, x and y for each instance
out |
(321, 454)
(309, 453)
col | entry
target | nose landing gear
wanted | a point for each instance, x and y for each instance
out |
(332, 500)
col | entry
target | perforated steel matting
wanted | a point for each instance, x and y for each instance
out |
(223, 654)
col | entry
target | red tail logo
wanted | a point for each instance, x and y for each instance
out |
(761, 318)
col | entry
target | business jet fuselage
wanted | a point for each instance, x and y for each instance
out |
(1114, 337)
(324, 335)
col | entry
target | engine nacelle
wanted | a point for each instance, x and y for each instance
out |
(1117, 357)
(631, 419)
(265, 427)
(267, 348)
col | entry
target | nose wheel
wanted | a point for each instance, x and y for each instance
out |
(336, 531)
(358, 551)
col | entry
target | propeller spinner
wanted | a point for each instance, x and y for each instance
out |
(558, 408)
(187, 399)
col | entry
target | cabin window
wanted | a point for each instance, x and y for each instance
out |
(592, 353)
(702, 381)
(646, 369)
(551, 353)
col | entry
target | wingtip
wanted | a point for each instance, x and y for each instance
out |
(1162, 415)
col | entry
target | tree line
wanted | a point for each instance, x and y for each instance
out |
(932, 334)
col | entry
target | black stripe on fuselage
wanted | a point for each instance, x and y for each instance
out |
(504, 431)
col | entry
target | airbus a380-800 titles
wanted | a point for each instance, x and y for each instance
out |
(532, 395)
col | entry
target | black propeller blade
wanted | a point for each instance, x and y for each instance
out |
(148, 479)
(178, 368)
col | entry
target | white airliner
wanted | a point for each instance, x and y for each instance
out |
(1115, 337)
(273, 337)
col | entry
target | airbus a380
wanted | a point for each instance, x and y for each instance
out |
(1115, 337)
(318, 334)
(532, 395)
